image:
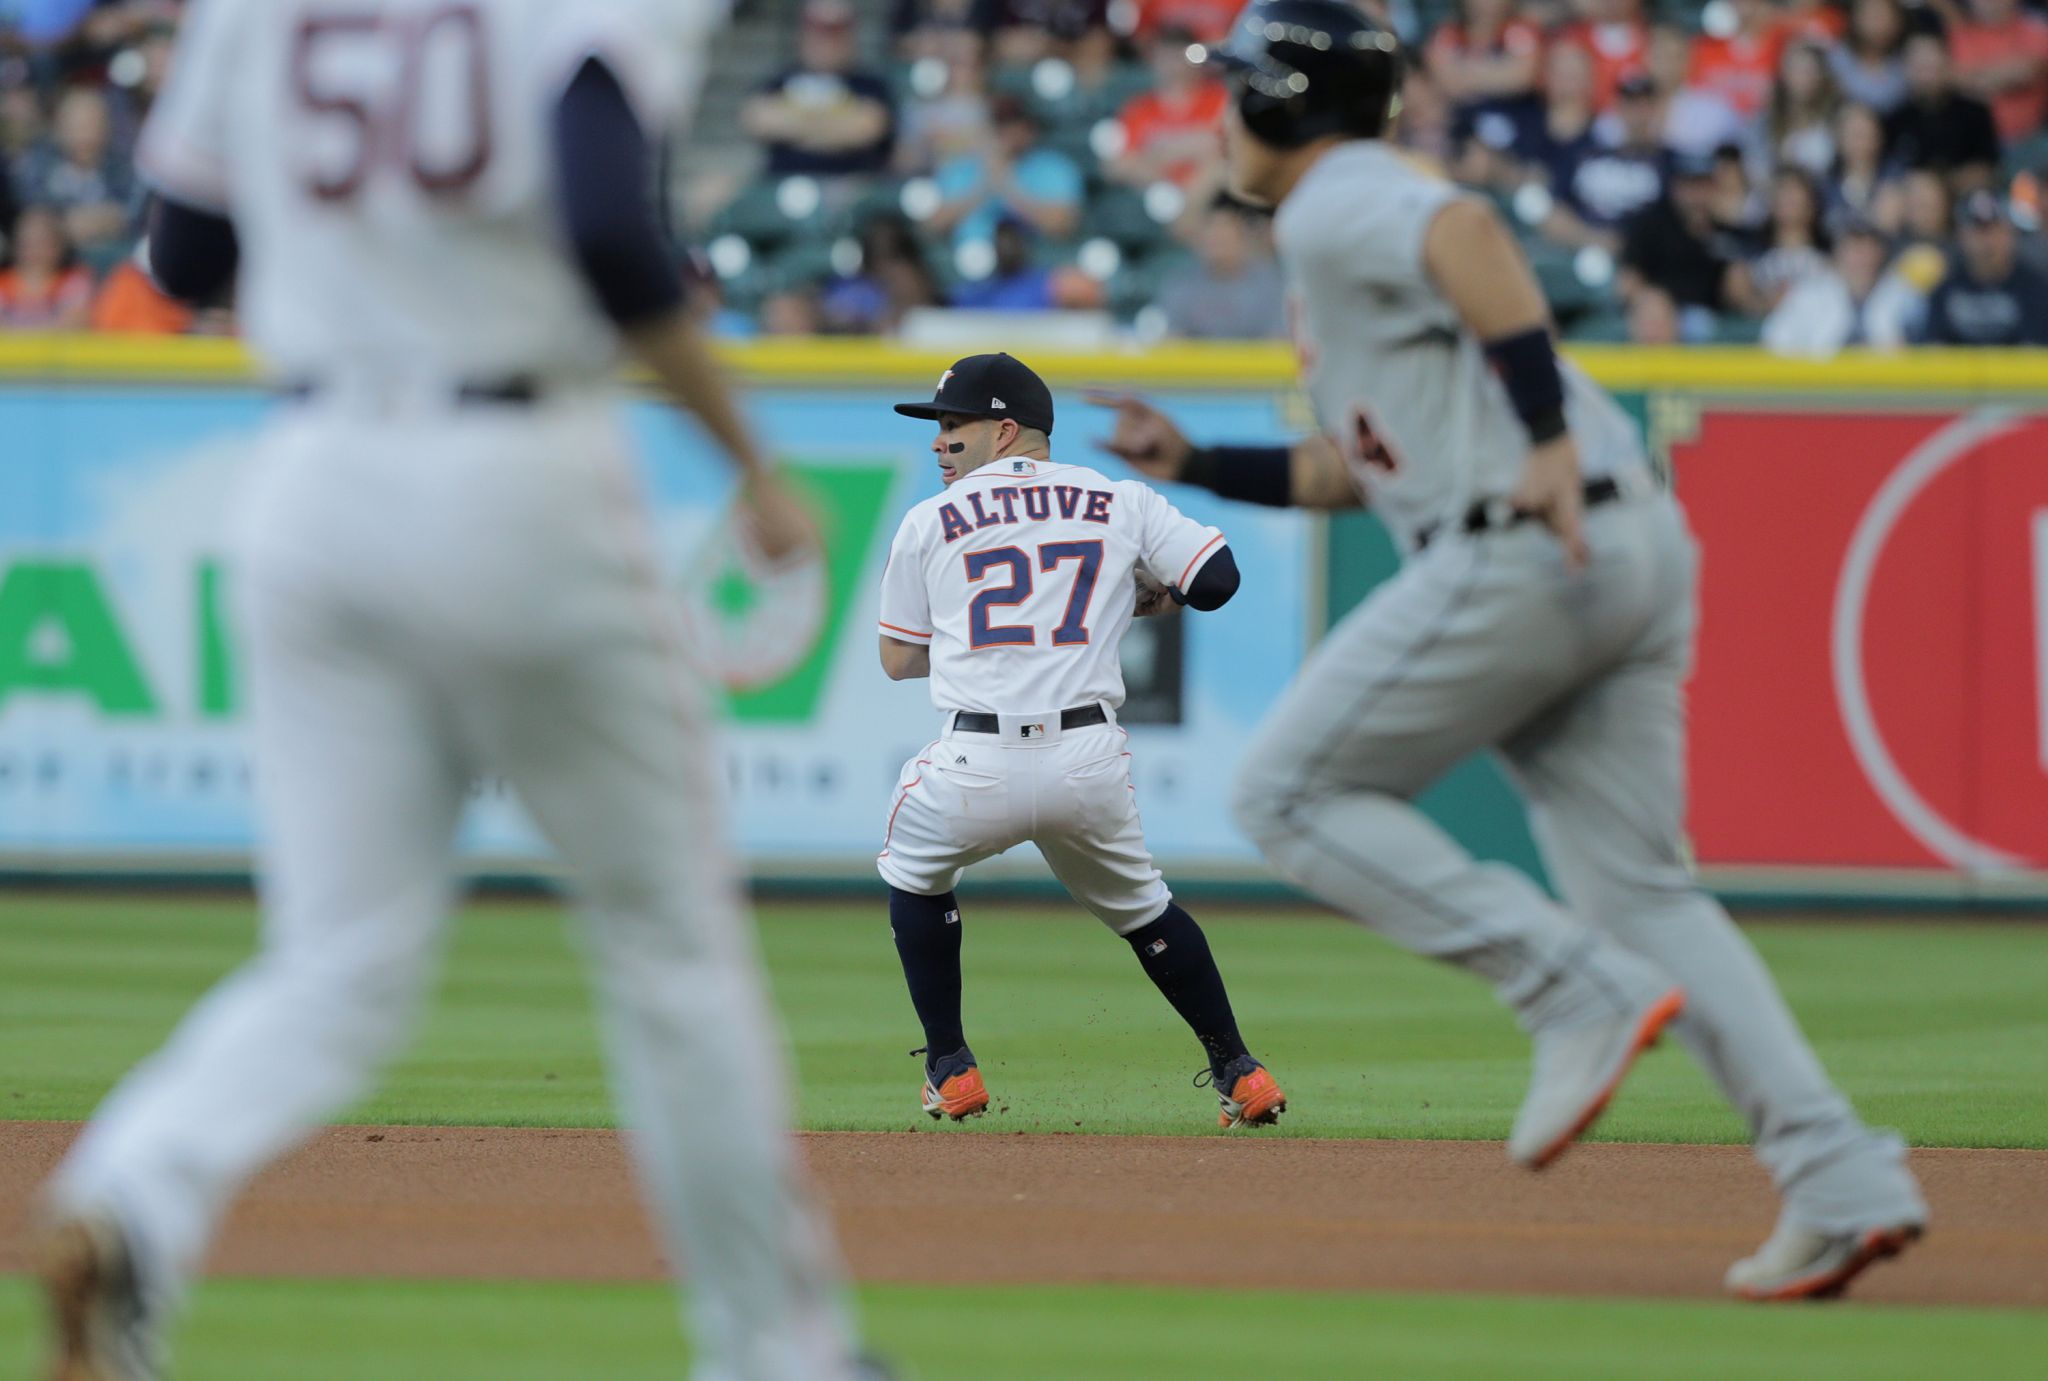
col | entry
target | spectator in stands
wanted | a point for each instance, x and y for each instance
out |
(823, 117)
(1422, 125)
(1693, 120)
(1488, 62)
(1016, 284)
(1026, 30)
(1169, 132)
(1675, 247)
(1008, 175)
(894, 279)
(1552, 147)
(950, 120)
(791, 312)
(2001, 58)
(78, 172)
(130, 304)
(1796, 246)
(1233, 290)
(1862, 181)
(44, 290)
(1653, 318)
(1600, 183)
(1739, 68)
(1799, 128)
(1207, 20)
(1937, 127)
(1866, 64)
(1926, 208)
(1988, 297)
(1819, 22)
(1854, 301)
(934, 28)
(1616, 39)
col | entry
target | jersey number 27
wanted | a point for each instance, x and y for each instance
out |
(342, 61)
(1016, 562)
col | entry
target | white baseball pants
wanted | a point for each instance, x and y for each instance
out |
(967, 796)
(434, 593)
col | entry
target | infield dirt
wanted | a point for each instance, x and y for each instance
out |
(965, 1208)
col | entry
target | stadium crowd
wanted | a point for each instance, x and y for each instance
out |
(1802, 172)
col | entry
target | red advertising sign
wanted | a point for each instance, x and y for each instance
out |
(1873, 679)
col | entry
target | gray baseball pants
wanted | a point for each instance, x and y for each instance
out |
(1575, 680)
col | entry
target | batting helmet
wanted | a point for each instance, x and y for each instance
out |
(1306, 69)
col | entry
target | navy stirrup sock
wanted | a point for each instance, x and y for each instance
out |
(927, 932)
(1176, 957)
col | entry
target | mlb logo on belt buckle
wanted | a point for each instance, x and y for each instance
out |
(1030, 731)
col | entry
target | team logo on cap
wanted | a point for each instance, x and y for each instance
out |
(942, 383)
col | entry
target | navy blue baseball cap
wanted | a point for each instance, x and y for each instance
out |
(989, 386)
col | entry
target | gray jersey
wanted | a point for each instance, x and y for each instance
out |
(1397, 379)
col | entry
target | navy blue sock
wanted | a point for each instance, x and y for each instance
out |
(1176, 957)
(927, 931)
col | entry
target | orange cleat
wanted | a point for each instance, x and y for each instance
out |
(1247, 1091)
(953, 1087)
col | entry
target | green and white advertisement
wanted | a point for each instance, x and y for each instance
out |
(121, 703)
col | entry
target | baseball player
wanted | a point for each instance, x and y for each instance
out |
(1012, 589)
(1545, 610)
(443, 221)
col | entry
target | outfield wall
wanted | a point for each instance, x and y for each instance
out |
(1870, 715)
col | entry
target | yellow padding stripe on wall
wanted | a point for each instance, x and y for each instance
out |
(90, 359)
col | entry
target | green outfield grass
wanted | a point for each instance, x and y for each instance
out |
(245, 1330)
(1938, 1029)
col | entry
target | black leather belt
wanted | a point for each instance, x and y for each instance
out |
(976, 722)
(1488, 515)
(519, 391)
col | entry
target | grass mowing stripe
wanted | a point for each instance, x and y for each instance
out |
(251, 1330)
(1935, 1028)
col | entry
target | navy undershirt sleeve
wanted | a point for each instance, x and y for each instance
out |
(1214, 584)
(604, 168)
(193, 254)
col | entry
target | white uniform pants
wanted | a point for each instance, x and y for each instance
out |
(428, 598)
(969, 796)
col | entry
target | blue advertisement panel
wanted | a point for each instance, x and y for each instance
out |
(121, 703)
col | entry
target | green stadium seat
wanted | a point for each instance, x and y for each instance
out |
(753, 216)
(1118, 213)
(1738, 330)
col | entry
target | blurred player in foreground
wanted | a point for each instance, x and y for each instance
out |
(1544, 609)
(1012, 590)
(443, 222)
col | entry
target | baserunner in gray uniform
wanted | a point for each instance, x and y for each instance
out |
(1545, 609)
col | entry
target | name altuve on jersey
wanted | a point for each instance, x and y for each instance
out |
(1037, 502)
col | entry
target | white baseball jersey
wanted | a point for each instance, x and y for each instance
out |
(1020, 579)
(1397, 379)
(389, 172)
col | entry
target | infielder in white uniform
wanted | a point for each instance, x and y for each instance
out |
(443, 220)
(1545, 610)
(1012, 590)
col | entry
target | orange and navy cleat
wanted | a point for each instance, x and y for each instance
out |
(953, 1087)
(1249, 1096)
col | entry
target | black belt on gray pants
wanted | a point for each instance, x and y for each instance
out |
(1487, 515)
(977, 722)
(519, 391)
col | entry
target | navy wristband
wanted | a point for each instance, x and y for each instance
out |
(1249, 474)
(1527, 365)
